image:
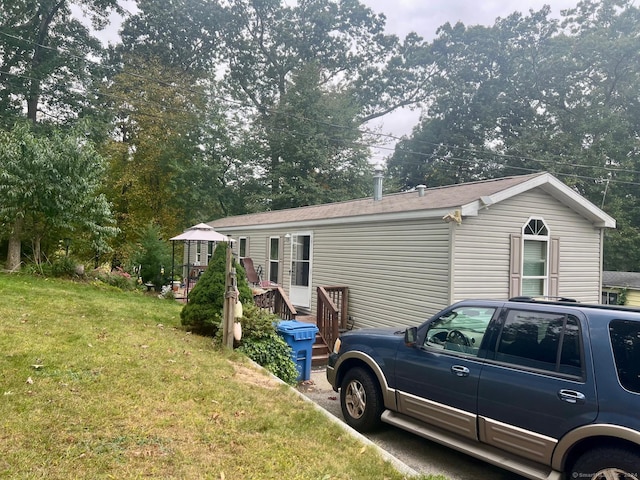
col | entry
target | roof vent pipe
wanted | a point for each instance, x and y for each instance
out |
(420, 189)
(377, 184)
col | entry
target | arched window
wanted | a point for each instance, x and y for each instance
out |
(535, 261)
(535, 256)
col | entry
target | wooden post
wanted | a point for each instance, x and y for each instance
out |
(229, 300)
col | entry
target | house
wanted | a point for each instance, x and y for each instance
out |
(621, 288)
(404, 256)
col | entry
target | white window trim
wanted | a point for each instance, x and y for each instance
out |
(271, 260)
(538, 238)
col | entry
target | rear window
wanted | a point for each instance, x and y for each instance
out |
(625, 339)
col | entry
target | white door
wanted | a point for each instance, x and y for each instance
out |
(300, 288)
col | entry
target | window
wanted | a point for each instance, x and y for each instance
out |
(625, 339)
(274, 259)
(534, 257)
(460, 330)
(243, 248)
(210, 248)
(198, 253)
(610, 298)
(541, 340)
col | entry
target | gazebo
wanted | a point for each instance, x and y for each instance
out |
(197, 233)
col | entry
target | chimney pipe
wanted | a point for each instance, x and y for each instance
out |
(377, 184)
(420, 189)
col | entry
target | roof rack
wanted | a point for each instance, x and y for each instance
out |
(544, 298)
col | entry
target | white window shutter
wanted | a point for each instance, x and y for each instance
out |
(515, 268)
(554, 267)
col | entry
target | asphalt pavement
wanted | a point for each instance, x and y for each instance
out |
(410, 453)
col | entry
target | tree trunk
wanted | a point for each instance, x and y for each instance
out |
(14, 251)
(37, 251)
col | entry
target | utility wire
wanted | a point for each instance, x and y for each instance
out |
(359, 130)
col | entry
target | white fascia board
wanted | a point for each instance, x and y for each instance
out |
(307, 224)
(560, 192)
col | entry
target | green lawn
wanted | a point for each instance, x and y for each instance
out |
(97, 383)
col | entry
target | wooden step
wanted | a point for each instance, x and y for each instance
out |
(319, 352)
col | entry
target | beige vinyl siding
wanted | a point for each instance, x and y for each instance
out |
(397, 272)
(633, 298)
(482, 250)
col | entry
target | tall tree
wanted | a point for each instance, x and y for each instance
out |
(50, 190)
(532, 93)
(269, 48)
(43, 57)
(155, 146)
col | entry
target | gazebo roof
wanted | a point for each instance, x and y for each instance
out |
(202, 233)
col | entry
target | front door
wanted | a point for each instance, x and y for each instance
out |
(300, 288)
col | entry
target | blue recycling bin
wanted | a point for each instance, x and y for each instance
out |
(300, 337)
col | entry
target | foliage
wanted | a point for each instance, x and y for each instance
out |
(155, 150)
(153, 257)
(203, 311)
(45, 57)
(64, 266)
(117, 278)
(534, 93)
(262, 344)
(49, 186)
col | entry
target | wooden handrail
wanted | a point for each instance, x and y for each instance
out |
(276, 301)
(332, 312)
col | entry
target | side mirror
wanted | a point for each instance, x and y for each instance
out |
(411, 336)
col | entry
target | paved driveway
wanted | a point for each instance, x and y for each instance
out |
(422, 455)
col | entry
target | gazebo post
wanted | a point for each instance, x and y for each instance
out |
(173, 260)
(186, 294)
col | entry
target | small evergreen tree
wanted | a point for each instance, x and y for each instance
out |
(152, 257)
(203, 312)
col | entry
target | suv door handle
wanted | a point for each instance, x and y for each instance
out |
(571, 396)
(460, 371)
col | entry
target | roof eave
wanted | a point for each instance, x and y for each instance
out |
(553, 187)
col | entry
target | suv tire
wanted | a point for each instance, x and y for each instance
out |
(361, 400)
(605, 463)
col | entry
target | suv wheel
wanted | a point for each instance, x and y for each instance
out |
(361, 400)
(607, 463)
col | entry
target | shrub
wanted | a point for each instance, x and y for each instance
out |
(203, 312)
(115, 278)
(63, 267)
(262, 344)
(152, 256)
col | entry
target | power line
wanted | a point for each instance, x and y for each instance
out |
(359, 130)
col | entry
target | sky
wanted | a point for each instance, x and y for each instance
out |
(423, 17)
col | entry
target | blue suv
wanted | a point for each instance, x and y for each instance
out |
(540, 388)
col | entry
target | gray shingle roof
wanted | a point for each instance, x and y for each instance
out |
(437, 198)
(621, 279)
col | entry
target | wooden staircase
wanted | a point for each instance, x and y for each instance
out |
(331, 316)
(320, 349)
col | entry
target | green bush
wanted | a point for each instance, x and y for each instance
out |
(116, 278)
(262, 344)
(203, 312)
(63, 267)
(153, 254)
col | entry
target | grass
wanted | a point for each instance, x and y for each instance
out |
(97, 383)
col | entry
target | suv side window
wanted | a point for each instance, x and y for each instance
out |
(541, 340)
(625, 339)
(460, 330)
